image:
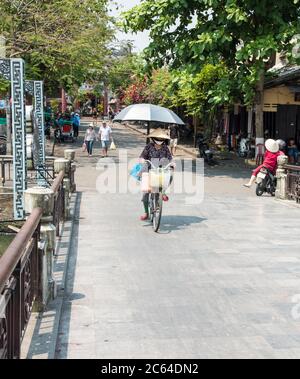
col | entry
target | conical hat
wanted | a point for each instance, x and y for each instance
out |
(272, 146)
(159, 133)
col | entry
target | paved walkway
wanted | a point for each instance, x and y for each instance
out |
(218, 281)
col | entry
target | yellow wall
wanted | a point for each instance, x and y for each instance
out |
(278, 95)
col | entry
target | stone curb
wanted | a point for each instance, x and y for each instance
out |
(54, 306)
(288, 203)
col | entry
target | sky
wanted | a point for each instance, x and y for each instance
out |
(140, 40)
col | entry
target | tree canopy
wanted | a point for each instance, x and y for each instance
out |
(63, 42)
(238, 31)
(244, 35)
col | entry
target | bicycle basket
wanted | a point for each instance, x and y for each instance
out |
(159, 180)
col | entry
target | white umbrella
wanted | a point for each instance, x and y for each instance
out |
(148, 113)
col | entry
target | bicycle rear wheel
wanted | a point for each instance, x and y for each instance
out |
(157, 211)
(151, 207)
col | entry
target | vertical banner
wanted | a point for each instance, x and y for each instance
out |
(19, 136)
(39, 113)
(40, 128)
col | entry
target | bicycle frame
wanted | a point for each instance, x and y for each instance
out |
(156, 199)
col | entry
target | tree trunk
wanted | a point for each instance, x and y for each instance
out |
(259, 109)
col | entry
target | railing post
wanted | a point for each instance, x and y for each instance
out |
(40, 197)
(2, 172)
(70, 156)
(64, 165)
(281, 190)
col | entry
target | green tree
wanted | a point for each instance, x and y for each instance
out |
(160, 89)
(243, 34)
(204, 91)
(63, 42)
(124, 70)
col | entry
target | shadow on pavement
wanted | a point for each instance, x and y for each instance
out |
(173, 223)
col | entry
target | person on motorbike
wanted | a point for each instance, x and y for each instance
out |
(157, 149)
(282, 145)
(270, 160)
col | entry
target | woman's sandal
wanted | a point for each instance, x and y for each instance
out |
(145, 217)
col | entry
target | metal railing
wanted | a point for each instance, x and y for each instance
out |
(293, 182)
(20, 285)
(6, 167)
(59, 201)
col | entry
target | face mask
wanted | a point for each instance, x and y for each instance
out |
(158, 142)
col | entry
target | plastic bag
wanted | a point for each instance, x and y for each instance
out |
(146, 182)
(135, 172)
(84, 147)
(113, 146)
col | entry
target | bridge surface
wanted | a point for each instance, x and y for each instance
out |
(218, 281)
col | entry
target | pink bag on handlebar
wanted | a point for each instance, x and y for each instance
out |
(146, 182)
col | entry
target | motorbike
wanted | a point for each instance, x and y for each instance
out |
(266, 182)
(245, 149)
(204, 150)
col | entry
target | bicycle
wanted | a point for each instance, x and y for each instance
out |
(160, 179)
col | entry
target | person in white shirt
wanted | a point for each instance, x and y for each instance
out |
(89, 139)
(105, 136)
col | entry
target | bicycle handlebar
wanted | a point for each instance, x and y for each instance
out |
(152, 165)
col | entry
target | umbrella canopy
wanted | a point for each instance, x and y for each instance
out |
(148, 113)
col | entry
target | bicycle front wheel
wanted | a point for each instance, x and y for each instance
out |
(157, 211)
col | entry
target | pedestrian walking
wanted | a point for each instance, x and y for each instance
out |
(89, 139)
(76, 124)
(105, 137)
(174, 135)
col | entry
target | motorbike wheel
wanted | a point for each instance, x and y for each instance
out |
(274, 187)
(271, 187)
(260, 189)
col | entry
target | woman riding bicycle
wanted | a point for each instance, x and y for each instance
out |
(156, 150)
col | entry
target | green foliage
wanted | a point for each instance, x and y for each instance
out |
(124, 71)
(203, 91)
(64, 42)
(244, 34)
(200, 93)
(135, 93)
(160, 89)
(4, 86)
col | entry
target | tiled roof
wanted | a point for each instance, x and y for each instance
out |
(282, 74)
(284, 70)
